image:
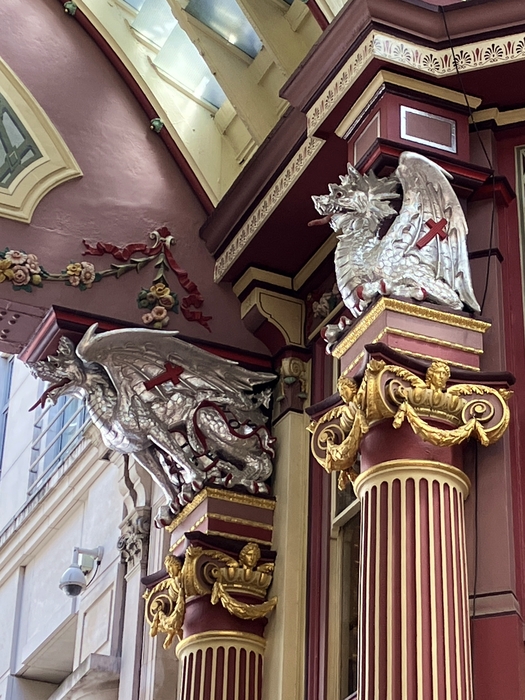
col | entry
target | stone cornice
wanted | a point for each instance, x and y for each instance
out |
(432, 62)
(467, 23)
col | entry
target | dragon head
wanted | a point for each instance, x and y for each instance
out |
(363, 198)
(65, 372)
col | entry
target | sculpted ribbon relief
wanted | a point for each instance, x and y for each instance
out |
(392, 392)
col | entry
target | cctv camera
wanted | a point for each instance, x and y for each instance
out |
(73, 581)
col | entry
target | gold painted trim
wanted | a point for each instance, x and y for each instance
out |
(254, 274)
(502, 118)
(306, 153)
(219, 637)
(230, 496)
(433, 358)
(435, 62)
(229, 536)
(353, 364)
(317, 258)
(434, 341)
(195, 525)
(234, 497)
(386, 77)
(409, 334)
(387, 304)
(410, 465)
(226, 519)
(240, 521)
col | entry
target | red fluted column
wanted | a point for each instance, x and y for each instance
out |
(211, 599)
(409, 420)
(221, 665)
(414, 615)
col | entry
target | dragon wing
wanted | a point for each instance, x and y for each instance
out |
(428, 195)
(132, 357)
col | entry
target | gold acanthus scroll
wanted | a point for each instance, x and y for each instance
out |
(209, 572)
(389, 391)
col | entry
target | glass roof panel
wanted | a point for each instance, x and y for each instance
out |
(181, 61)
(227, 19)
(136, 4)
(155, 21)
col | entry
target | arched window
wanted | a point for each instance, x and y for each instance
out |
(33, 156)
(17, 149)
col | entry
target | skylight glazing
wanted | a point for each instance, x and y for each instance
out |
(181, 61)
(155, 21)
(136, 4)
(226, 18)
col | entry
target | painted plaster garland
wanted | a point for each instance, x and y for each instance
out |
(24, 272)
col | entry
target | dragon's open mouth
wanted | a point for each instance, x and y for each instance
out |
(42, 400)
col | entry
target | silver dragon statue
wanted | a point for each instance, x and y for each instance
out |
(423, 254)
(189, 417)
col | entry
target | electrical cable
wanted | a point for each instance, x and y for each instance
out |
(97, 567)
(485, 152)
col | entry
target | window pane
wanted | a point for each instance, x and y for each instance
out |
(17, 148)
(227, 19)
(180, 59)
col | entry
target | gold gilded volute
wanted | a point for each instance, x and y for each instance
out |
(214, 573)
(440, 415)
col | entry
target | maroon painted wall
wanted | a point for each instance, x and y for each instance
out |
(130, 186)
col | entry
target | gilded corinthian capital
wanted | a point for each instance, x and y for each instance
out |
(439, 414)
(209, 572)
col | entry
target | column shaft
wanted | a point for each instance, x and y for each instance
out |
(414, 616)
(221, 666)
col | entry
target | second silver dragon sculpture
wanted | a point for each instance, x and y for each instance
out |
(188, 417)
(422, 256)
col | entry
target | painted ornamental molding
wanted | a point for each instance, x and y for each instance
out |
(214, 573)
(435, 62)
(391, 392)
(306, 153)
(56, 164)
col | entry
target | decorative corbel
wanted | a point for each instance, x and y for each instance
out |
(135, 488)
(134, 539)
(276, 319)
